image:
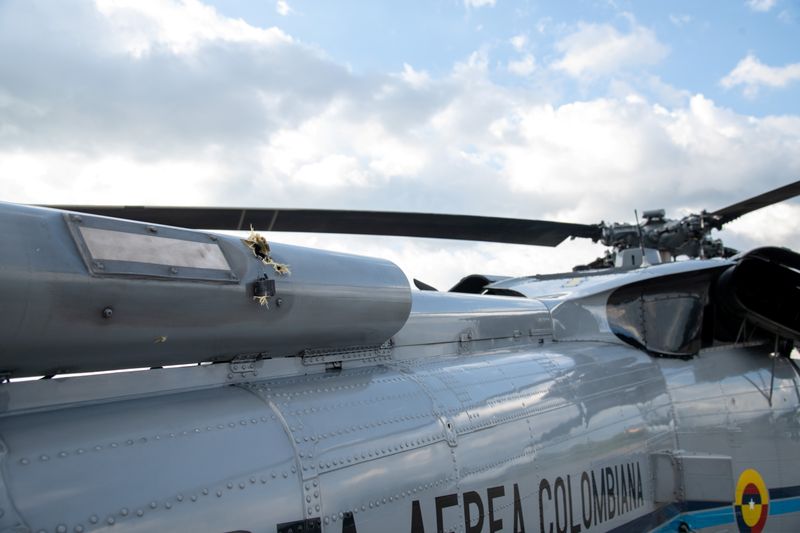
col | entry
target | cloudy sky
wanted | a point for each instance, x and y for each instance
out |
(576, 111)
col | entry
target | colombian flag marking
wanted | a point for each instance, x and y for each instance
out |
(752, 502)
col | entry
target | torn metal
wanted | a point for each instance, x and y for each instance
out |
(260, 247)
(258, 243)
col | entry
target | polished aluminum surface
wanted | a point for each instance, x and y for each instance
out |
(533, 420)
(382, 409)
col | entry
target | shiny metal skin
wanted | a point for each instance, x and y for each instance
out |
(471, 413)
(66, 311)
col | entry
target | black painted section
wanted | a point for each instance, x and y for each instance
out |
(462, 227)
(443, 502)
(348, 523)
(784, 492)
(491, 494)
(473, 522)
(692, 506)
(312, 525)
(734, 211)
(417, 525)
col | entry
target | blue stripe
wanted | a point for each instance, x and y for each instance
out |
(723, 514)
(716, 517)
(785, 506)
(700, 519)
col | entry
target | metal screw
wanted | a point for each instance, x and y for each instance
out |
(279, 302)
(99, 265)
(152, 229)
(108, 312)
(76, 218)
(173, 270)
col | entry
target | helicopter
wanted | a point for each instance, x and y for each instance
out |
(159, 376)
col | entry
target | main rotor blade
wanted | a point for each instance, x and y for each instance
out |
(461, 227)
(732, 212)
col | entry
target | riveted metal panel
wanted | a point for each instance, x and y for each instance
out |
(380, 493)
(722, 407)
(339, 420)
(136, 464)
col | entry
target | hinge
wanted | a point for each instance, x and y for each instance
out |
(246, 364)
(374, 353)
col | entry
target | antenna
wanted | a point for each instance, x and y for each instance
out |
(702, 238)
(641, 240)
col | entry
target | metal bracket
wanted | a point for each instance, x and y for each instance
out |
(264, 287)
(246, 364)
(465, 341)
(376, 353)
(449, 431)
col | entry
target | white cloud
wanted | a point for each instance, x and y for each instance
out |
(182, 27)
(204, 117)
(59, 176)
(335, 149)
(680, 20)
(761, 5)
(331, 170)
(282, 8)
(761, 225)
(519, 42)
(480, 3)
(753, 74)
(476, 65)
(600, 49)
(523, 66)
(415, 78)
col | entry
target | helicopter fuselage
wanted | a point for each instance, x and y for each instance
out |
(550, 437)
(657, 398)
